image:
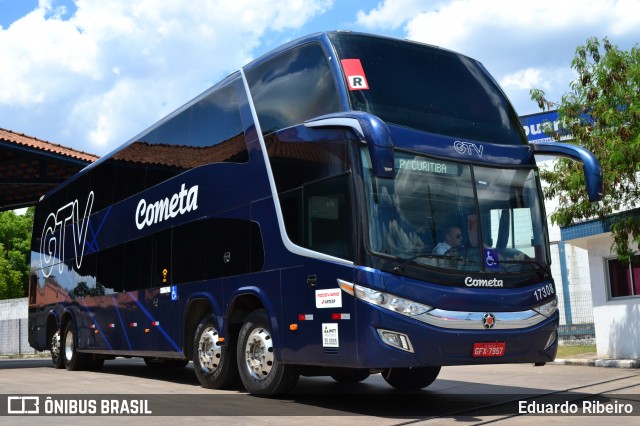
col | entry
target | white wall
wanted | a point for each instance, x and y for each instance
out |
(617, 321)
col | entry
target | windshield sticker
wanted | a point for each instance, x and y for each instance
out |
(491, 258)
(355, 74)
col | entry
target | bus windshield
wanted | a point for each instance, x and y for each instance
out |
(447, 215)
(427, 88)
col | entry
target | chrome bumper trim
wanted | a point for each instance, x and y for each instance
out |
(473, 320)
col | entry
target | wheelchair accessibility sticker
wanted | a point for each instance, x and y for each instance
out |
(174, 293)
(491, 258)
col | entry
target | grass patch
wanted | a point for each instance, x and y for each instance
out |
(568, 351)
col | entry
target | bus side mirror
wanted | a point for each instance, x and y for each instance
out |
(370, 130)
(592, 168)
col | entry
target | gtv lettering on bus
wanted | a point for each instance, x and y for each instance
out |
(53, 234)
(180, 203)
(470, 282)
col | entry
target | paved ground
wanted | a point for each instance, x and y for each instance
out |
(461, 395)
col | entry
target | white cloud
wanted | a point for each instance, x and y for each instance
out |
(522, 79)
(513, 38)
(114, 67)
(390, 14)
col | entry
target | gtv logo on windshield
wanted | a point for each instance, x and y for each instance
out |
(468, 148)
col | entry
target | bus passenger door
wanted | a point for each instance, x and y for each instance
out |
(162, 298)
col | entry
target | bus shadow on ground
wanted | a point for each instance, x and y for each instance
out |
(315, 396)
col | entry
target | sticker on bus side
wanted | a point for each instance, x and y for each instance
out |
(355, 74)
(329, 298)
(330, 335)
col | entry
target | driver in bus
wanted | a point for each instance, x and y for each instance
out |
(452, 239)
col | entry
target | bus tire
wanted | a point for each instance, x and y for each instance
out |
(261, 373)
(56, 350)
(215, 365)
(410, 378)
(73, 360)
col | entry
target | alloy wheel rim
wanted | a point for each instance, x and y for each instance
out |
(259, 354)
(68, 346)
(209, 351)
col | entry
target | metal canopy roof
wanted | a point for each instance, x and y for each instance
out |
(31, 167)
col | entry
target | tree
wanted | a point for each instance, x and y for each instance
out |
(602, 113)
(15, 243)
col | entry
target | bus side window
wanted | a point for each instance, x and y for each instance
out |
(110, 276)
(328, 224)
(137, 264)
(293, 87)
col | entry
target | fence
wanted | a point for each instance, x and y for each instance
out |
(14, 327)
(576, 319)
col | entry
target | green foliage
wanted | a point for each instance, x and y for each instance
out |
(602, 113)
(15, 243)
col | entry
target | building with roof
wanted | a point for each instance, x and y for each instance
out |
(30, 167)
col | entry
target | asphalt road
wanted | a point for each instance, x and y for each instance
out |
(462, 395)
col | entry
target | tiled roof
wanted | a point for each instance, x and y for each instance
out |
(22, 139)
(30, 167)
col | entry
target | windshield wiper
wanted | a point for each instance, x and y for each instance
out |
(445, 256)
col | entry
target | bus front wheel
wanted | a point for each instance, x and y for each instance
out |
(260, 371)
(410, 378)
(215, 365)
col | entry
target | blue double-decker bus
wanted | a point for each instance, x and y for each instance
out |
(347, 204)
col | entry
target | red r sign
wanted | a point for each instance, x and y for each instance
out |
(355, 74)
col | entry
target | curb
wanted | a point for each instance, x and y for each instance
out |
(607, 363)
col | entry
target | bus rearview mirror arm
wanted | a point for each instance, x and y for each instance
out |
(369, 129)
(592, 167)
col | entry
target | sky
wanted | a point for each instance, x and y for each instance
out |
(91, 74)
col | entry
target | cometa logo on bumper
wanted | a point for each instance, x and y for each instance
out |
(179, 203)
(494, 282)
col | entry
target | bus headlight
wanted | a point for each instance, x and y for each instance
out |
(393, 303)
(548, 308)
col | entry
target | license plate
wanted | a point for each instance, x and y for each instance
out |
(486, 349)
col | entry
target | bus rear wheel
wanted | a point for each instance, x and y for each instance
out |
(215, 365)
(260, 371)
(410, 378)
(73, 360)
(56, 355)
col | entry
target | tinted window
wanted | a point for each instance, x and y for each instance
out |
(293, 87)
(110, 269)
(189, 252)
(161, 272)
(430, 89)
(234, 247)
(137, 264)
(210, 131)
(294, 164)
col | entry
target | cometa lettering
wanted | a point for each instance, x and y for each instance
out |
(470, 282)
(182, 202)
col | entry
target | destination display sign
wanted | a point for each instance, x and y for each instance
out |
(427, 165)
